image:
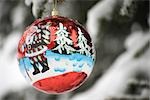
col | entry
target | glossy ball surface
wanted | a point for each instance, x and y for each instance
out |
(56, 54)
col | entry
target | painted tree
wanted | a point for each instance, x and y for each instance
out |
(63, 40)
(82, 44)
(93, 52)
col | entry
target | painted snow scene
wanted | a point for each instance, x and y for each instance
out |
(56, 54)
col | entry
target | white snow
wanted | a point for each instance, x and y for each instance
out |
(115, 80)
(37, 5)
(10, 76)
(111, 84)
(103, 9)
(18, 16)
(28, 2)
(124, 10)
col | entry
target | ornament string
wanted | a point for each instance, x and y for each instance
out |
(54, 11)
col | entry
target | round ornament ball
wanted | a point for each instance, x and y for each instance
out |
(56, 54)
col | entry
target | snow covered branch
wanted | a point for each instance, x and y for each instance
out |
(124, 69)
(103, 9)
(132, 62)
(38, 6)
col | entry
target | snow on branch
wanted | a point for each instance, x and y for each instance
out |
(115, 80)
(38, 6)
(103, 9)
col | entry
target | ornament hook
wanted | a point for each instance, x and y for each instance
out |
(54, 11)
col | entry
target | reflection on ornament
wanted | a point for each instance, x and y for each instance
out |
(56, 54)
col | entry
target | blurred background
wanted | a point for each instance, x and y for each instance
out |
(120, 32)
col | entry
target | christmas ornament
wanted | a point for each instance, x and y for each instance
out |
(56, 54)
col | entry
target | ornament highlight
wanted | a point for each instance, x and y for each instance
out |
(56, 54)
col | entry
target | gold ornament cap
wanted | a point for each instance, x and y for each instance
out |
(55, 12)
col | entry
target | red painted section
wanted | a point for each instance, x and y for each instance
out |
(29, 31)
(74, 37)
(52, 37)
(70, 24)
(61, 83)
